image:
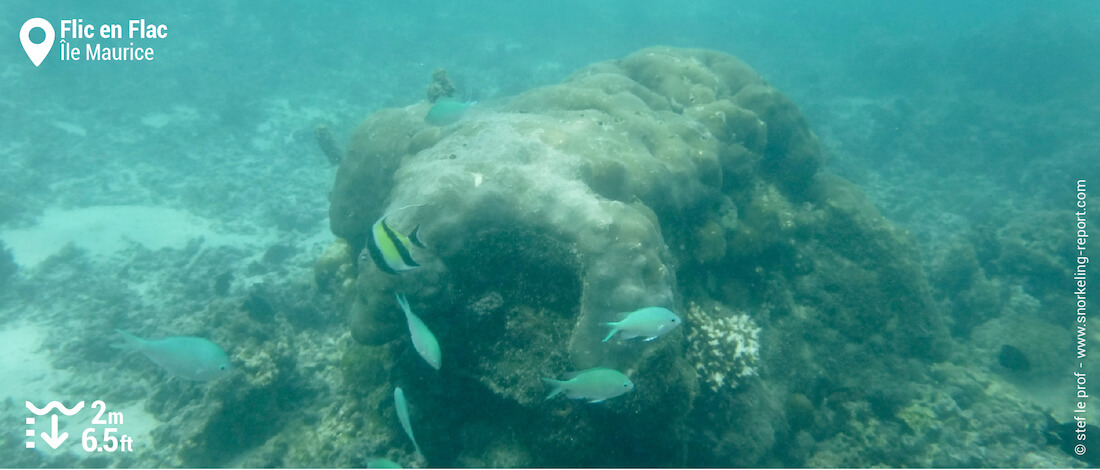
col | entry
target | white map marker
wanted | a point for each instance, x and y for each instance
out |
(37, 52)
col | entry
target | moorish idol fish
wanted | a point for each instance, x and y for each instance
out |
(389, 249)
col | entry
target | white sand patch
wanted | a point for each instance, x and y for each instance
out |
(318, 241)
(26, 370)
(105, 230)
(71, 128)
(178, 115)
(28, 376)
(1059, 396)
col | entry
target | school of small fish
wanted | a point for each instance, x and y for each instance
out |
(392, 253)
(198, 359)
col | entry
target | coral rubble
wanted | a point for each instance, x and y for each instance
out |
(723, 346)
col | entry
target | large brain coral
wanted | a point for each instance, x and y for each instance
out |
(555, 211)
(598, 164)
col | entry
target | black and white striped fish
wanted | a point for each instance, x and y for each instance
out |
(390, 249)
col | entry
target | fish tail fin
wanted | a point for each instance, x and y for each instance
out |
(399, 209)
(614, 329)
(556, 387)
(403, 302)
(129, 341)
(414, 237)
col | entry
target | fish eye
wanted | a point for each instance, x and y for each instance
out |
(222, 367)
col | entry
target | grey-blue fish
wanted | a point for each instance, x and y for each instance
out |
(402, 407)
(423, 340)
(595, 385)
(186, 357)
(649, 323)
(447, 111)
(381, 462)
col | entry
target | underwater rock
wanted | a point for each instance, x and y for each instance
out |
(799, 411)
(1012, 358)
(235, 415)
(441, 85)
(327, 143)
(710, 242)
(222, 283)
(663, 178)
(278, 253)
(1036, 353)
(258, 307)
(519, 167)
(1067, 436)
(334, 270)
(7, 264)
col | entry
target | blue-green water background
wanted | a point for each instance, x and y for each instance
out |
(1009, 80)
(951, 116)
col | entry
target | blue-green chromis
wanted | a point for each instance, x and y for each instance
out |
(402, 407)
(186, 357)
(649, 323)
(447, 111)
(422, 338)
(595, 385)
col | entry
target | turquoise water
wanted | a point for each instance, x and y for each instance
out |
(868, 225)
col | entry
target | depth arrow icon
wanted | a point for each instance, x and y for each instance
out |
(52, 439)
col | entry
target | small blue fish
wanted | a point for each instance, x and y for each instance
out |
(648, 322)
(186, 357)
(447, 111)
(381, 462)
(402, 407)
(423, 340)
(595, 385)
(389, 249)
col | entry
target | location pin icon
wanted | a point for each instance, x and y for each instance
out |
(37, 52)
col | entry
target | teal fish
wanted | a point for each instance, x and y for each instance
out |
(381, 462)
(423, 339)
(403, 415)
(595, 385)
(186, 357)
(389, 249)
(447, 111)
(648, 322)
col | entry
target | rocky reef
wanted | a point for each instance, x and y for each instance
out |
(8, 267)
(670, 177)
(724, 346)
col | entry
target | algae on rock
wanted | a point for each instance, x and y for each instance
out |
(667, 177)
